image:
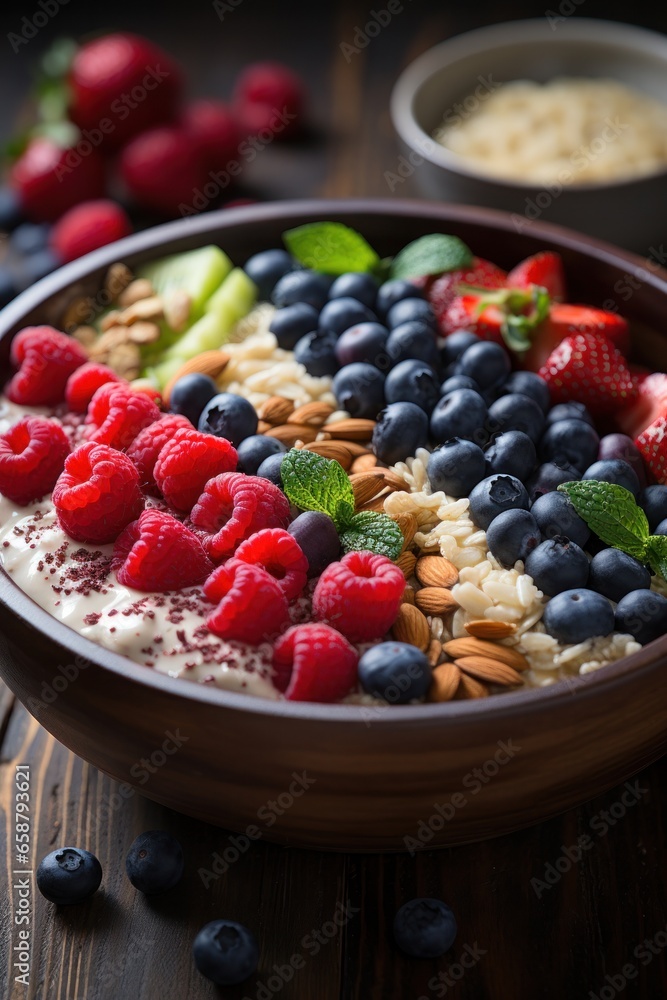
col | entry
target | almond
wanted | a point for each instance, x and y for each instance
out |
(486, 628)
(470, 687)
(376, 505)
(275, 410)
(411, 627)
(211, 363)
(150, 308)
(366, 485)
(352, 429)
(434, 651)
(135, 291)
(491, 650)
(314, 414)
(263, 427)
(408, 596)
(356, 447)
(436, 571)
(493, 671)
(289, 434)
(394, 482)
(364, 463)
(435, 601)
(446, 682)
(336, 450)
(408, 524)
(117, 278)
(406, 563)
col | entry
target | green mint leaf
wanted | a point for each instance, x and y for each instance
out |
(433, 254)
(612, 513)
(312, 482)
(656, 553)
(330, 247)
(373, 532)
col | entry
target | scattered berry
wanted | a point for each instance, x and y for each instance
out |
(233, 507)
(642, 614)
(270, 94)
(411, 311)
(360, 595)
(412, 382)
(355, 285)
(615, 574)
(365, 342)
(317, 353)
(359, 389)
(512, 453)
(340, 314)
(652, 446)
(556, 565)
(302, 286)
(290, 323)
(97, 494)
(32, 456)
(392, 292)
(318, 540)
(68, 875)
(401, 429)
(570, 441)
(621, 446)
(266, 269)
(512, 536)
(158, 553)
(45, 358)
(278, 553)
(270, 469)
(163, 170)
(314, 662)
(456, 467)
(461, 413)
(588, 368)
(187, 462)
(529, 384)
(154, 862)
(555, 515)
(456, 344)
(548, 477)
(88, 226)
(84, 383)
(576, 615)
(148, 444)
(225, 952)
(495, 494)
(254, 449)
(614, 470)
(242, 589)
(229, 416)
(395, 671)
(653, 499)
(49, 179)
(116, 415)
(516, 412)
(425, 928)
(486, 362)
(413, 340)
(190, 394)
(11, 215)
(30, 238)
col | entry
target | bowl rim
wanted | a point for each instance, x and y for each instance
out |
(527, 31)
(460, 713)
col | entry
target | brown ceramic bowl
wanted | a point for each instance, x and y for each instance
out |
(456, 772)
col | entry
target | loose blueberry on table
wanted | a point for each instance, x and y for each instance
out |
(418, 478)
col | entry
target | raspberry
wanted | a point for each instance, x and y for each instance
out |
(84, 383)
(157, 552)
(88, 226)
(262, 91)
(252, 606)
(117, 414)
(314, 663)
(187, 462)
(233, 507)
(279, 553)
(46, 358)
(32, 456)
(147, 445)
(98, 494)
(360, 595)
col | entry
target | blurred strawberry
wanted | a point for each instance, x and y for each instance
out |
(269, 96)
(651, 403)
(163, 170)
(442, 289)
(88, 226)
(214, 129)
(544, 269)
(124, 80)
(49, 179)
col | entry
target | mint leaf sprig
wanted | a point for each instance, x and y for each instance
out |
(312, 482)
(614, 515)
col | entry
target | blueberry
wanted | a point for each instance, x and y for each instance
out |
(359, 389)
(291, 323)
(395, 671)
(392, 292)
(615, 574)
(570, 441)
(68, 875)
(11, 214)
(653, 499)
(425, 928)
(495, 494)
(622, 446)
(270, 469)
(486, 362)
(408, 310)
(265, 269)
(229, 416)
(35, 267)
(548, 477)
(254, 449)
(30, 237)
(530, 384)
(569, 411)
(225, 952)
(318, 538)
(401, 428)
(512, 536)
(458, 382)
(462, 413)
(355, 285)
(190, 395)
(317, 353)
(456, 467)
(301, 286)
(516, 413)
(642, 614)
(555, 515)
(363, 342)
(455, 344)
(154, 862)
(661, 527)
(413, 382)
(8, 288)
(578, 614)
(556, 565)
(339, 315)
(512, 453)
(413, 340)
(614, 470)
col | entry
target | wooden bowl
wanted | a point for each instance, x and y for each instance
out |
(342, 777)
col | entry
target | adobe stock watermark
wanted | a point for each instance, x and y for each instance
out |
(631, 281)
(565, 9)
(364, 34)
(441, 984)
(67, 673)
(473, 782)
(645, 953)
(224, 7)
(600, 825)
(32, 24)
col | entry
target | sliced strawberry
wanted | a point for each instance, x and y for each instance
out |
(652, 445)
(442, 289)
(464, 313)
(588, 368)
(544, 269)
(566, 319)
(651, 403)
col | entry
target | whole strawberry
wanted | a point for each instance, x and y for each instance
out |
(214, 129)
(164, 169)
(269, 96)
(49, 180)
(88, 226)
(588, 368)
(121, 85)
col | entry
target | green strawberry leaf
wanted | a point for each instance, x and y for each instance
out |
(373, 532)
(612, 513)
(523, 309)
(656, 553)
(330, 247)
(312, 482)
(433, 254)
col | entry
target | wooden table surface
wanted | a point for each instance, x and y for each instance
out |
(575, 908)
